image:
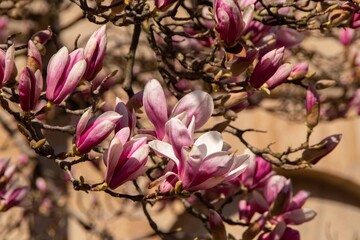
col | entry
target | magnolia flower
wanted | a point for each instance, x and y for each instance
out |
(230, 22)
(216, 225)
(6, 172)
(94, 53)
(283, 205)
(92, 131)
(197, 103)
(12, 197)
(125, 160)
(269, 70)
(346, 36)
(312, 107)
(30, 88)
(64, 73)
(299, 71)
(320, 150)
(198, 165)
(6, 64)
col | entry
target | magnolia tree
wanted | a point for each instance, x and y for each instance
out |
(217, 58)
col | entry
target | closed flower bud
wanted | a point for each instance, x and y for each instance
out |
(94, 53)
(269, 68)
(64, 73)
(92, 131)
(346, 36)
(320, 150)
(217, 227)
(6, 64)
(312, 107)
(230, 23)
(12, 197)
(299, 71)
(42, 36)
(30, 88)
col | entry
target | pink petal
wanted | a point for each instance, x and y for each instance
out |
(164, 149)
(72, 81)
(198, 104)
(154, 102)
(55, 69)
(178, 135)
(209, 143)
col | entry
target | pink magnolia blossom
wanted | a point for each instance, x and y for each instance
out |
(216, 225)
(30, 88)
(6, 172)
(197, 103)
(299, 71)
(270, 70)
(230, 22)
(315, 153)
(312, 107)
(355, 21)
(13, 196)
(64, 73)
(42, 36)
(6, 64)
(283, 205)
(346, 36)
(253, 203)
(125, 159)
(92, 131)
(94, 53)
(200, 164)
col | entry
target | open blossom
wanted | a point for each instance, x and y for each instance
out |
(283, 205)
(197, 103)
(30, 88)
(91, 131)
(230, 22)
(200, 164)
(6, 64)
(94, 53)
(64, 73)
(125, 159)
(270, 70)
